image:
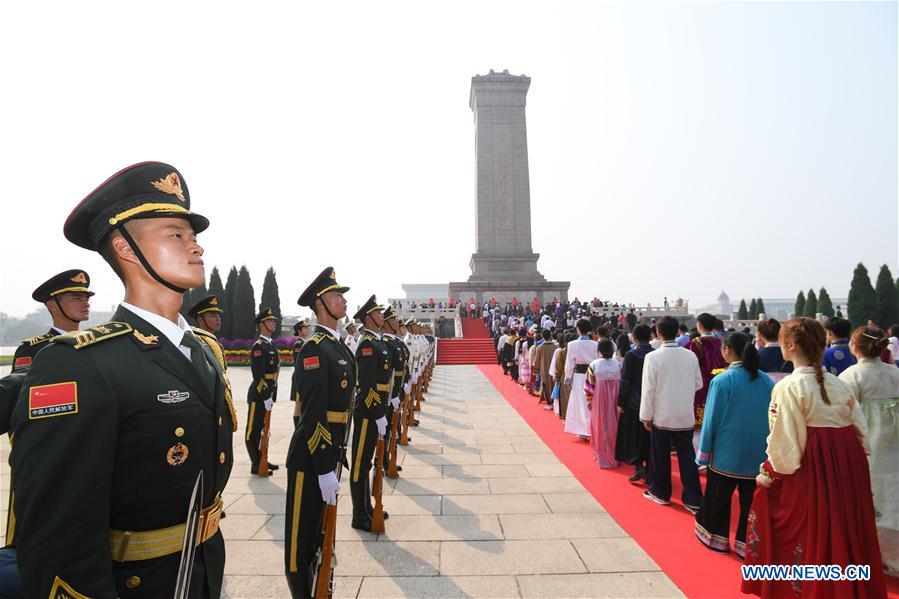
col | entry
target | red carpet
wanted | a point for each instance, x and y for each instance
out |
(664, 532)
(475, 347)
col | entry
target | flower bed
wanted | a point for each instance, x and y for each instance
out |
(237, 351)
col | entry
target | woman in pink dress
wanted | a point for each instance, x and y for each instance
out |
(601, 391)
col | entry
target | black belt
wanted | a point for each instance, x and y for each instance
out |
(581, 368)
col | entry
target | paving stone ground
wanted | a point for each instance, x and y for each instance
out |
(482, 509)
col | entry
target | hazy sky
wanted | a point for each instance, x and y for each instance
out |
(675, 148)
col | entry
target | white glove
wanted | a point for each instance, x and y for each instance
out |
(407, 388)
(330, 487)
(414, 379)
(395, 402)
(382, 426)
(268, 405)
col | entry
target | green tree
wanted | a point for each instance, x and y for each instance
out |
(244, 306)
(862, 305)
(760, 305)
(270, 297)
(742, 313)
(215, 284)
(825, 306)
(799, 306)
(753, 309)
(226, 302)
(811, 304)
(887, 298)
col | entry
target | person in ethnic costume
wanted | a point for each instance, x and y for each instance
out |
(543, 356)
(815, 505)
(601, 391)
(732, 443)
(580, 353)
(707, 349)
(876, 385)
(632, 442)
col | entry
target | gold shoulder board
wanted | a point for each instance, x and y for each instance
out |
(95, 334)
(317, 338)
(38, 339)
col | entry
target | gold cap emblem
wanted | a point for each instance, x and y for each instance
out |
(213, 301)
(79, 278)
(171, 184)
(333, 274)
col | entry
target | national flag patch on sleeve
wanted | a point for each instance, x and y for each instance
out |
(23, 362)
(58, 399)
(310, 363)
(257, 352)
(366, 351)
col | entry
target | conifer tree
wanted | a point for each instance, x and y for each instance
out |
(887, 298)
(227, 304)
(761, 307)
(825, 306)
(742, 313)
(244, 306)
(862, 305)
(753, 309)
(271, 298)
(799, 306)
(811, 304)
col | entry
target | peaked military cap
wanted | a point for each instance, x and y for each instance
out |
(207, 304)
(389, 313)
(367, 308)
(70, 281)
(353, 324)
(264, 314)
(326, 281)
(143, 190)
(300, 325)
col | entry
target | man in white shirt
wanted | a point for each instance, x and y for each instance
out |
(671, 377)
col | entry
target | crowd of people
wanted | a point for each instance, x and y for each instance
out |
(797, 417)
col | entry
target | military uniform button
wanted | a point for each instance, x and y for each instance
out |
(222, 457)
(220, 420)
(179, 432)
(132, 582)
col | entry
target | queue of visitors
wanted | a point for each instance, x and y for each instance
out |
(800, 420)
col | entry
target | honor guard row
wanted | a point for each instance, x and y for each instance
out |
(121, 429)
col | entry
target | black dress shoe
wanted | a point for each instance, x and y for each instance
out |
(636, 477)
(361, 523)
(386, 515)
(222, 516)
(256, 471)
(273, 466)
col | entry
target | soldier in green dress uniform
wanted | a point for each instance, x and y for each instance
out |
(67, 298)
(263, 391)
(325, 381)
(398, 373)
(115, 422)
(374, 363)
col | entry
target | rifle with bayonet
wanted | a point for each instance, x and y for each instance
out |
(263, 445)
(377, 486)
(325, 558)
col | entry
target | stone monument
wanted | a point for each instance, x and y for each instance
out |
(504, 264)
